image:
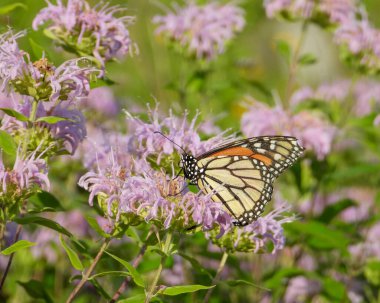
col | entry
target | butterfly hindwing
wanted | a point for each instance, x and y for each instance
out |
(243, 185)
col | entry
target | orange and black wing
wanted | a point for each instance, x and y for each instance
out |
(240, 175)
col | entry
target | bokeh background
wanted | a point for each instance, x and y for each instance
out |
(332, 252)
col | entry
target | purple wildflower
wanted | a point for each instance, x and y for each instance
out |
(338, 90)
(300, 289)
(257, 235)
(101, 101)
(151, 196)
(203, 30)
(363, 196)
(12, 59)
(337, 11)
(71, 131)
(145, 142)
(295, 8)
(70, 80)
(96, 30)
(314, 133)
(366, 94)
(27, 176)
(362, 40)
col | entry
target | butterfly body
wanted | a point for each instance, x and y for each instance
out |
(240, 174)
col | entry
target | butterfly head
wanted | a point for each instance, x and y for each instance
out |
(190, 167)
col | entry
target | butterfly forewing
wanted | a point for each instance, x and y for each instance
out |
(240, 174)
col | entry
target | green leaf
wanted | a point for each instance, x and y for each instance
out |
(51, 119)
(44, 222)
(74, 259)
(110, 273)
(10, 7)
(95, 226)
(182, 289)
(36, 290)
(45, 199)
(372, 272)
(17, 246)
(307, 59)
(234, 283)
(133, 272)
(331, 211)
(15, 114)
(284, 49)
(318, 236)
(135, 299)
(7, 143)
(195, 264)
(334, 290)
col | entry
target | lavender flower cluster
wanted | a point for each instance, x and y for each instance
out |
(315, 133)
(203, 29)
(39, 114)
(87, 30)
(353, 32)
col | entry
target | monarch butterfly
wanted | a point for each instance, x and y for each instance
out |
(240, 174)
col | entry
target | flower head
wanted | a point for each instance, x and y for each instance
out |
(100, 102)
(257, 235)
(91, 31)
(151, 196)
(12, 59)
(28, 175)
(324, 12)
(359, 41)
(203, 30)
(146, 141)
(314, 132)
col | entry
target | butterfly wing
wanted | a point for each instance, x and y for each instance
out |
(240, 175)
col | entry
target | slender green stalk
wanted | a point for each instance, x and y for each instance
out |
(89, 271)
(293, 65)
(217, 276)
(33, 112)
(160, 268)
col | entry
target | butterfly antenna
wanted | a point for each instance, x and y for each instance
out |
(157, 132)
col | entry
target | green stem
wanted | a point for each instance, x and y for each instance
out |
(89, 271)
(293, 65)
(217, 276)
(32, 118)
(168, 241)
(33, 112)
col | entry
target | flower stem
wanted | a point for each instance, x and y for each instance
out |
(293, 65)
(33, 112)
(217, 276)
(89, 271)
(168, 241)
